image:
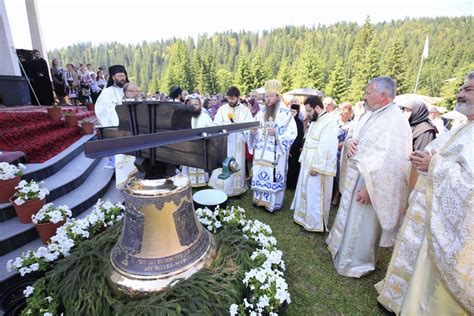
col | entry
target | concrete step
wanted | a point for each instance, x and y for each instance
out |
(40, 171)
(14, 234)
(111, 194)
(59, 184)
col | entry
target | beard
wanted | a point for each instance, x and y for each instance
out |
(119, 84)
(271, 110)
(464, 108)
(196, 113)
(270, 113)
(233, 105)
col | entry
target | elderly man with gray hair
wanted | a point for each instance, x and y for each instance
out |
(374, 176)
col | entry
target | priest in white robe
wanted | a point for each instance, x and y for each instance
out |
(271, 144)
(198, 177)
(440, 278)
(230, 113)
(374, 183)
(312, 199)
(109, 98)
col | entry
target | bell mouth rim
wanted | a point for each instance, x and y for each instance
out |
(152, 188)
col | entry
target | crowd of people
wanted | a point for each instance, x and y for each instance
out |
(400, 179)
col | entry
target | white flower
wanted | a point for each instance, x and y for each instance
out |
(29, 191)
(261, 276)
(8, 171)
(34, 267)
(233, 310)
(47, 314)
(263, 301)
(24, 271)
(28, 291)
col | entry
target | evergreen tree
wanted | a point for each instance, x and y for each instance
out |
(260, 72)
(358, 53)
(451, 86)
(178, 70)
(366, 70)
(209, 74)
(245, 79)
(285, 75)
(394, 66)
(225, 79)
(308, 71)
(148, 63)
(337, 85)
(198, 72)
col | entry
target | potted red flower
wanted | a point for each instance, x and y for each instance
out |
(48, 219)
(54, 112)
(87, 127)
(29, 198)
(71, 119)
(90, 106)
(9, 178)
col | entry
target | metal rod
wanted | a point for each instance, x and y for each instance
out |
(113, 146)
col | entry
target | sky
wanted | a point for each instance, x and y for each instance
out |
(66, 22)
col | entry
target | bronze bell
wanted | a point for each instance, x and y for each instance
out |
(162, 240)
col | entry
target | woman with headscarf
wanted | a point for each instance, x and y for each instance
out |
(423, 130)
(295, 151)
(215, 105)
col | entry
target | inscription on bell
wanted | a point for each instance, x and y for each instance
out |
(132, 234)
(185, 224)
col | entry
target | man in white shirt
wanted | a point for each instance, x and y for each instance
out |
(109, 99)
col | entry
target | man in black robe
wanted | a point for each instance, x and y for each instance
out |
(40, 81)
(295, 151)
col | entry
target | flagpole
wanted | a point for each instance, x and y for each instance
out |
(424, 55)
(418, 76)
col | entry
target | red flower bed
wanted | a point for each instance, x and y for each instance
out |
(36, 135)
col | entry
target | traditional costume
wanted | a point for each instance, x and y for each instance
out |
(312, 199)
(105, 112)
(270, 153)
(235, 184)
(382, 165)
(438, 223)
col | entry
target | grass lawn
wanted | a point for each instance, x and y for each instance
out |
(315, 287)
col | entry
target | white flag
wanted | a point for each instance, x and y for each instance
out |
(425, 49)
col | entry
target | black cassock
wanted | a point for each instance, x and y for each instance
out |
(295, 152)
(38, 73)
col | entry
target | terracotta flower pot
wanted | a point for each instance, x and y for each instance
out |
(25, 211)
(90, 106)
(54, 113)
(7, 189)
(48, 230)
(88, 128)
(71, 120)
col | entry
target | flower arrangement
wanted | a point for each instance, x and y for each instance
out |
(28, 191)
(87, 126)
(268, 289)
(266, 282)
(51, 214)
(68, 236)
(9, 171)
